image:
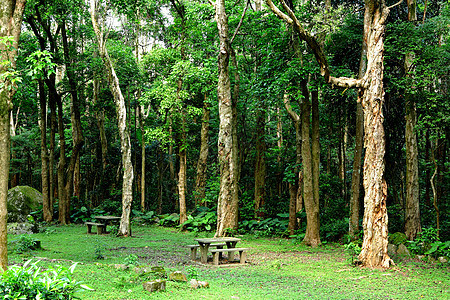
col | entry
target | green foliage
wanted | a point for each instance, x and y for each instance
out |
(334, 229)
(439, 248)
(26, 243)
(423, 241)
(40, 64)
(203, 219)
(131, 260)
(30, 282)
(169, 220)
(148, 217)
(267, 227)
(353, 249)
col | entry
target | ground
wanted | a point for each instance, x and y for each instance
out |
(277, 269)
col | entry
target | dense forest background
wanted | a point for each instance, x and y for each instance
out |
(65, 137)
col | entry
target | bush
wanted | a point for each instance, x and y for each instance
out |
(424, 240)
(203, 219)
(30, 282)
(268, 226)
(25, 243)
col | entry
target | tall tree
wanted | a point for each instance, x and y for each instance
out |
(11, 14)
(228, 202)
(374, 249)
(125, 144)
(412, 213)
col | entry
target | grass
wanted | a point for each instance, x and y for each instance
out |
(278, 268)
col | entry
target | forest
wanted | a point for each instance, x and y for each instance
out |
(325, 121)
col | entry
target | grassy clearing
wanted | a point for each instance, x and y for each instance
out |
(278, 269)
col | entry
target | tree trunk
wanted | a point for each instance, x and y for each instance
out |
(375, 222)
(295, 195)
(227, 206)
(46, 204)
(412, 213)
(11, 13)
(353, 227)
(312, 235)
(182, 171)
(62, 197)
(141, 125)
(125, 144)
(200, 181)
(260, 164)
(315, 147)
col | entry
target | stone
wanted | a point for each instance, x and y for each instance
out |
(177, 276)
(159, 270)
(155, 285)
(195, 284)
(442, 259)
(21, 201)
(392, 250)
(121, 267)
(397, 238)
(421, 257)
(402, 250)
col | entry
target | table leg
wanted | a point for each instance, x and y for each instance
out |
(204, 253)
(231, 254)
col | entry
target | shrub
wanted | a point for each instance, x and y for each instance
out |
(30, 282)
(203, 219)
(397, 238)
(25, 243)
(424, 240)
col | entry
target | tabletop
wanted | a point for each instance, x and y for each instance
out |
(217, 240)
(107, 218)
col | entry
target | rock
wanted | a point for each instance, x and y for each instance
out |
(397, 238)
(22, 200)
(155, 285)
(402, 250)
(177, 276)
(392, 250)
(121, 267)
(159, 270)
(421, 257)
(443, 260)
(195, 284)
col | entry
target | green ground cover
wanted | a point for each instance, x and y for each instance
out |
(277, 269)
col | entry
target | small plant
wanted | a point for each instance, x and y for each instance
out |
(423, 241)
(30, 282)
(132, 260)
(353, 249)
(439, 248)
(26, 243)
(99, 250)
(192, 272)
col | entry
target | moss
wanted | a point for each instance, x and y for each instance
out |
(397, 238)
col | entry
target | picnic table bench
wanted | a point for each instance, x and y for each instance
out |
(231, 251)
(100, 227)
(195, 247)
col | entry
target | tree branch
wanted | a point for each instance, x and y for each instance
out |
(240, 22)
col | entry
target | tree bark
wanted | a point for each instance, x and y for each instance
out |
(11, 13)
(125, 144)
(227, 207)
(182, 155)
(353, 227)
(46, 204)
(200, 180)
(412, 212)
(260, 164)
(375, 222)
(312, 235)
(295, 195)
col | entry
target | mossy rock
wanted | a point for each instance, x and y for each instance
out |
(22, 200)
(397, 238)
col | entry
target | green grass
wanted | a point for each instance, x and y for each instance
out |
(278, 269)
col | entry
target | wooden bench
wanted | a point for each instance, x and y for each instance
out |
(231, 251)
(195, 247)
(100, 227)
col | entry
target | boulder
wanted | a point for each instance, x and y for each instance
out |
(177, 276)
(397, 238)
(392, 250)
(195, 284)
(402, 250)
(442, 259)
(22, 200)
(155, 285)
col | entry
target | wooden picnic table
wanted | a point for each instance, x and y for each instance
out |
(206, 242)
